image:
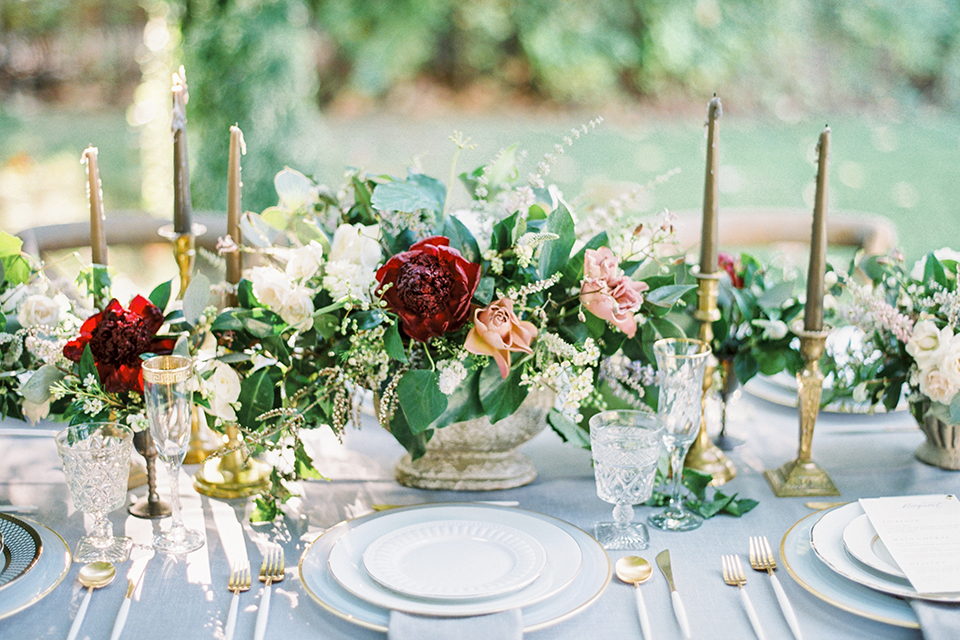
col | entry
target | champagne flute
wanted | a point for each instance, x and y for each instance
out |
(169, 405)
(681, 363)
(96, 463)
(626, 447)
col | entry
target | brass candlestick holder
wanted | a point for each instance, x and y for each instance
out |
(185, 254)
(803, 476)
(232, 473)
(704, 455)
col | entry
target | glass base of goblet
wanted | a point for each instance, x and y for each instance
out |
(115, 549)
(675, 520)
(611, 535)
(185, 543)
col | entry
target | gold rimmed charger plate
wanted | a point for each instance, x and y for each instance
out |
(48, 572)
(21, 549)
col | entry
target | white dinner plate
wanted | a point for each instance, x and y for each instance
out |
(454, 560)
(47, 573)
(781, 389)
(861, 541)
(554, 604)
(21, 549)
(826, 538)
(803, 565)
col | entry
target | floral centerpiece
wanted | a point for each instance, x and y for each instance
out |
(911, 317)
(378, 288)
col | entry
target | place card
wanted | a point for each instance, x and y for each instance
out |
(922, 533)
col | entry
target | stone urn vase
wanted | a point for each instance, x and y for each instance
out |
(476, 455)
(942, 446)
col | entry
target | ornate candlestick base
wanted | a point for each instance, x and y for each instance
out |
(232, 474)
(704, 455)
(803, 477)
(199, 447)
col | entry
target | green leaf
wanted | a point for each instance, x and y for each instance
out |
(393, 343)
(461, 239)
(293, 188)
(567, 429)
(506, 232)
(259, 393)
(554, 254)
(304, 464)
(257, 231)
(485, 291)
(88, 366)
(420, 398)
(414, 442)
(501, 397)
(160, 296)
(37, 388)
(10, 245)
(265, 509)
(933, 271)
(404, 196)
(14, 269)
(245, 296)
(668, 295)
(463, 404)
(326, 325)
(696, 481)
(955, 409)
(573, 270)
(504, 170)
(775, 296)
(195, 299)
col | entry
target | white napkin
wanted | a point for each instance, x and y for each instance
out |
(506, 625)
(938, 620)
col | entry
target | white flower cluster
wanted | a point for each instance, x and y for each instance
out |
(569, 375)
(937, 354)
(452, 373)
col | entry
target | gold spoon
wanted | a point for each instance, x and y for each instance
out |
(92, 576)
(635, 570)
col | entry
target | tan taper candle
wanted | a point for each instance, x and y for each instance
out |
(709, 232)
(181, 165)
(237, 148)
(813, 310)
(98, 237)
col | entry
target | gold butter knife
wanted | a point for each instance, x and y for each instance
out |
(663, 561)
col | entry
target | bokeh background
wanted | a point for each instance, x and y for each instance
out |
(322, 85)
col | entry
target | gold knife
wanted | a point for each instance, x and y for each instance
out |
(663, 561)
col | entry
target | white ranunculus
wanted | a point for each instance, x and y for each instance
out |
(224, 391)
(37, 310)
(928, 343)
(950, 361)
(297, 309)
(937, 386)
(304, 262)
(271, 287)
(358, 244)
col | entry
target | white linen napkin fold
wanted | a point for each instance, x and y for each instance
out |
(505, 625)
(938, 620)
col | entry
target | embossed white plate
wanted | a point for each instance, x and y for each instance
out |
(21, 549)
(47, 573)
(455, 559)
(862, 542)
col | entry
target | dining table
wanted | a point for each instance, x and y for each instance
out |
(186, 596)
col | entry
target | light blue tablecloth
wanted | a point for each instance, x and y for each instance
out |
(865, 455)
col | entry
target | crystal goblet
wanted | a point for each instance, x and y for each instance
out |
(626, 447)
(169, 404)
(681, 363)
(96, 463)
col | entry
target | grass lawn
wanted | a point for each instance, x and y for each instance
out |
(906, 170)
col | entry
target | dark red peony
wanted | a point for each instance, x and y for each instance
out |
(431, 286)
(729, 264)
(117, 337)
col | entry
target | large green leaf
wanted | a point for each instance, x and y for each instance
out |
(501, 397)
(554, 254)
(393, 343)
(420, 398)
(461, 239)
(88, 366)
(568, 430)
(160, 296)
(463, 403)
(404, 196)
(933, 271)
(668, 295)
(195, 299)
(259, 393)
(573, 270)
(292, 187)
(37, 388)
(414, 442)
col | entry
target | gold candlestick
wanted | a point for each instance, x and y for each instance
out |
(704, 455)
(231, 473)
(803, 476)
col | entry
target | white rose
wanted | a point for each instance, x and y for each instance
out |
(772, 329)
(38, 310)
(928, 344)
(297, 309)
(305, 261)
(224, 391)
(34, 413)
(270, 286)
(950, 362)
(358, 244)
(348, 280)
(936, 386)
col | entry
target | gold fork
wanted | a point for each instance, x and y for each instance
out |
(239, 581)
(270, 571)
(734, 576)
(762, 559)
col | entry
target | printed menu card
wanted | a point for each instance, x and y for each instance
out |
(922, 533)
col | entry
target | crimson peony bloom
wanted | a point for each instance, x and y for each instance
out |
(117, 338)
(431, 288)
(497, 331)
(729, 264)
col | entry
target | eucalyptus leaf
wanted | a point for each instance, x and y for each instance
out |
(404, 196)
(195, 299)
(37, 388)
(257, 231)
(292, 187)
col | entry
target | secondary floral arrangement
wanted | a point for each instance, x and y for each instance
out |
(911, 318)
(379, 290)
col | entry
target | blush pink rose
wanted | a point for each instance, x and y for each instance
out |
(497, 331)
(609, 294)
